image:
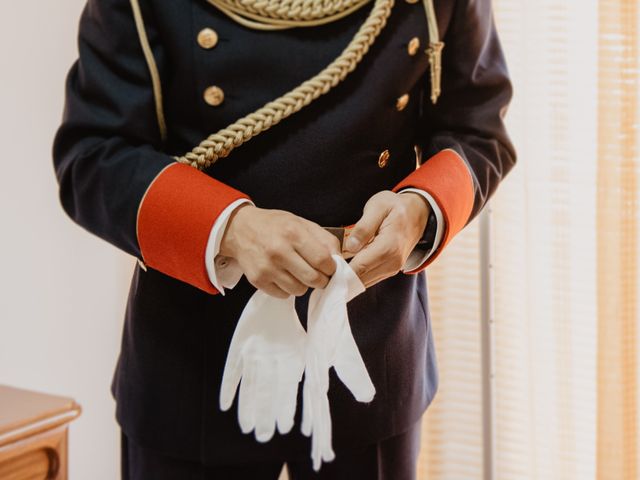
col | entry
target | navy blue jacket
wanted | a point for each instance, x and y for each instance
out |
(118, 179)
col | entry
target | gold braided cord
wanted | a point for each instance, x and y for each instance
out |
(280, 14)
(221, 143)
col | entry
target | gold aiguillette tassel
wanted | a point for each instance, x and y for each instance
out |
(434, 52)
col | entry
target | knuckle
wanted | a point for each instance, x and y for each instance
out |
(332, 245)
(402, 213)
(278, 293)
(273, 251)
(327, 264)
(289, 231)
(323, 281)
(397, 263)
(262, 276)
(397, 258)
(257, 282)
(393, 253)
(389, 195)
(362, 266)
(382, 196)
(387, 250)
(318, 280)
(300, 290)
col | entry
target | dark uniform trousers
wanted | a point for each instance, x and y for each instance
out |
(393, 458)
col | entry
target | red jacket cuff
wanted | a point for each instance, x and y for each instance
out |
(447, 178)
(174, 221)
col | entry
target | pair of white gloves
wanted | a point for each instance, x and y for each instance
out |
(270, 351)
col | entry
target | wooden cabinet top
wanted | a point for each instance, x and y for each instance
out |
(24, 413)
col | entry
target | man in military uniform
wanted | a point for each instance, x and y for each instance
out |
(381, 150)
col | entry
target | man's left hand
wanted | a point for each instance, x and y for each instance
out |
(389, 229)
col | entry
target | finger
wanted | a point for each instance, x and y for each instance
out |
(351, 369)
(322, 236)
(265, 399)
(317, 247)
(287, 395)
(234, 364)
(321, 444)
(288, 283)
(307, 414)
(246, 399)
(316, 438)
(379, 273)
(374, 213)
(230, 379)
(309, 394)
(326, 450)
(308, 274)
(286, 408)
(370, 257)
(274, 290)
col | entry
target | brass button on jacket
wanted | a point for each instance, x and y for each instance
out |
(214, 96)
(402, 102)
(383, 159)
(413, 46)
(207, 38)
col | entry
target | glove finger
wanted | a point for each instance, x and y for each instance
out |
(307, 414)
(241, 337)
(230, 380)
(246, 398)
(310, 391)
(327, 452)
(321, 448)
(351, 369)
(287, 396)
(316, 455)
(265, 397)
(318, 394)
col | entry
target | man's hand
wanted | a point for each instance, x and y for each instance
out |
(279, 252)
(392, 223)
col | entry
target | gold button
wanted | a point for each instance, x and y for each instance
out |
(411, 1)
(402, 102)
(383, 159)
(207, 38)
(213, 96)
(413, 46)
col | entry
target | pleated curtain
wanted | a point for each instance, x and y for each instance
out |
(535, 304)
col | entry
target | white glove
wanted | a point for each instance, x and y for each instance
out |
(331, 343)
(266, 357)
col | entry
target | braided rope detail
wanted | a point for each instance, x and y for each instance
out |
(221, 143)
(271, 14)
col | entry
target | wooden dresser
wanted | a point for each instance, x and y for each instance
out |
(33, 434)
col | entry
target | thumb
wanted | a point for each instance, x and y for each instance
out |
(365, 229)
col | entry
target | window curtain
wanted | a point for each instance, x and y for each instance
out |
(535, 304)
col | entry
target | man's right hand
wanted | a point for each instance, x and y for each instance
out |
(279, 252)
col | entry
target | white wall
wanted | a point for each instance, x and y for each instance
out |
(62, 290)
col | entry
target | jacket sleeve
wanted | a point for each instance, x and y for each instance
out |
(463, 137)
(114, 178)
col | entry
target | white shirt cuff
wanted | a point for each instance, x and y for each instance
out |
(222, 271)
(420, 255)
